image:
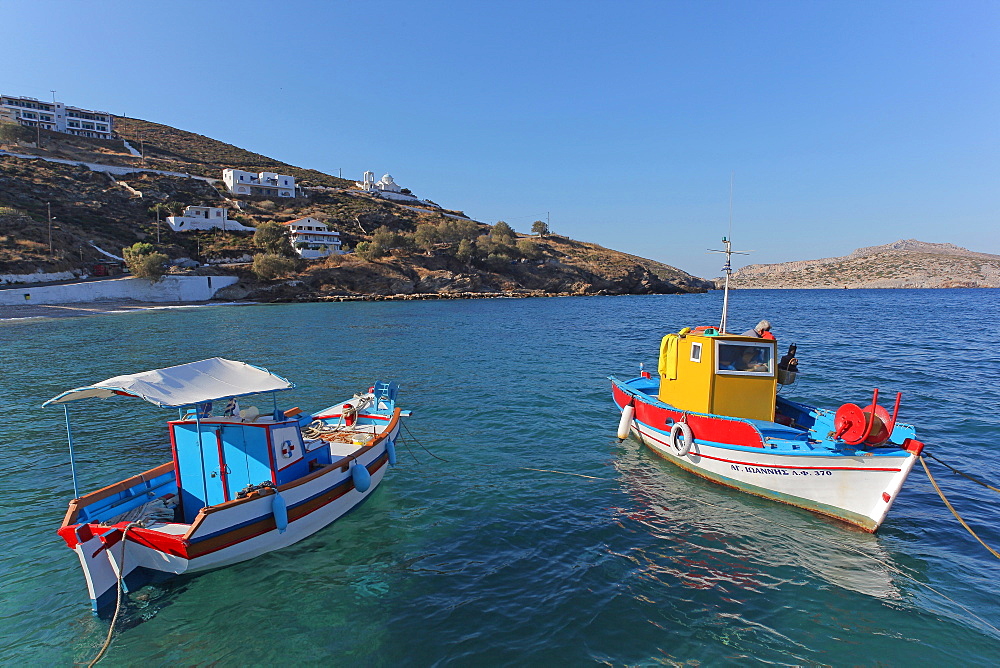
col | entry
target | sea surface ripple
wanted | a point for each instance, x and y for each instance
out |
(515, 529)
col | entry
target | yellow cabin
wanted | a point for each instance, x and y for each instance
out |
(723, 374)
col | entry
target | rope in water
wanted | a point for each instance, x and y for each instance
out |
(964, 475)
(118, 602)
(888, 566)
(519, 468)
(954, 512)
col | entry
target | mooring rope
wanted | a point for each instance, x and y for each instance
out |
(118, 602)
(417, 441)
(964, 475)
(954, 512)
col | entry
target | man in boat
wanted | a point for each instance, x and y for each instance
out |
(761, 331)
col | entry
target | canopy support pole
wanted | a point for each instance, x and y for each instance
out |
(72, 460)
(201, 453)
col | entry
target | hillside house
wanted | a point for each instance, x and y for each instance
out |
(199, 218)
(31, 112)
(312, 239)
(265, 184)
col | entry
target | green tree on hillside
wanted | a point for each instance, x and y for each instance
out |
(466, 250)
(369, 250)
(453, 231)
(426, 237)
(540, 227)
(388, 240)
(503, 233)
(270, 236)
(144, 262)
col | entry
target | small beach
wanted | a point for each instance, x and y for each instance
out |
(76, 310)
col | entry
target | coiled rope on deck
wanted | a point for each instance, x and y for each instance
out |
(954, 512)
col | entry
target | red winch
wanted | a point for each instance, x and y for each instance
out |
(871, 425)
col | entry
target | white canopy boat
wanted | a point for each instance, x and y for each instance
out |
(239, 484)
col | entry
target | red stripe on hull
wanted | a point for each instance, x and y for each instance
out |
(775, 466)
(705, 428)
(177, 546)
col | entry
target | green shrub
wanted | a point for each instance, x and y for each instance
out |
(528, 249)
(268, 266)
(369, 250)
(144, 262)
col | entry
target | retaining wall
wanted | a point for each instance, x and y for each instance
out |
(170, 289)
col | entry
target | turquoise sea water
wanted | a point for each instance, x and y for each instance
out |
(478, 560)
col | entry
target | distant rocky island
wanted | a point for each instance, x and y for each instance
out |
(907, 263)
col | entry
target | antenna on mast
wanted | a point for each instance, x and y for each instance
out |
(727, 268)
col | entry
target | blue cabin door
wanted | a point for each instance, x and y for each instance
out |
(245, 450)
(197, 459)
(213, 467)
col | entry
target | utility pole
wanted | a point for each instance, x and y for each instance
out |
(157, 223)
(49, 207)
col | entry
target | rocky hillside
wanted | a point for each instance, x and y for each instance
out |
(903, 264)
(92, 210)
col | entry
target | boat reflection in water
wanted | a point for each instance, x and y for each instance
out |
(719, 538)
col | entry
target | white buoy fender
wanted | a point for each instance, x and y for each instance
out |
(280, 511)
(683, 444)
(626, 422)
(362, 478)
(390, 449)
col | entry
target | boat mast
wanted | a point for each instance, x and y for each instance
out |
(727, 268)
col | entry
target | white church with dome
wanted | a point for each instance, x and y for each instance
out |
(384, 187)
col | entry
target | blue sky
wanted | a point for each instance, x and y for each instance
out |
(846, 124)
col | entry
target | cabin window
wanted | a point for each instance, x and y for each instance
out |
(695, 352)
(752, 359)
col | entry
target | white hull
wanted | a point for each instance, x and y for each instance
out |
(856, 489)
(232, 534)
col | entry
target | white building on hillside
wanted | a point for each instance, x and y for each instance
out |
(385, 187)
(199, 218)
(57, 116)
(263, 184)
(312, 239)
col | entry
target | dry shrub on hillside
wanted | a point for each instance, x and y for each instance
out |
(268, 266)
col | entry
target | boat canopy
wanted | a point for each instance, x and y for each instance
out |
(184, 384)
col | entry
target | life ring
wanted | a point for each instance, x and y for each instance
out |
(687, 438)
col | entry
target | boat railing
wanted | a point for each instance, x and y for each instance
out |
(122, 496)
